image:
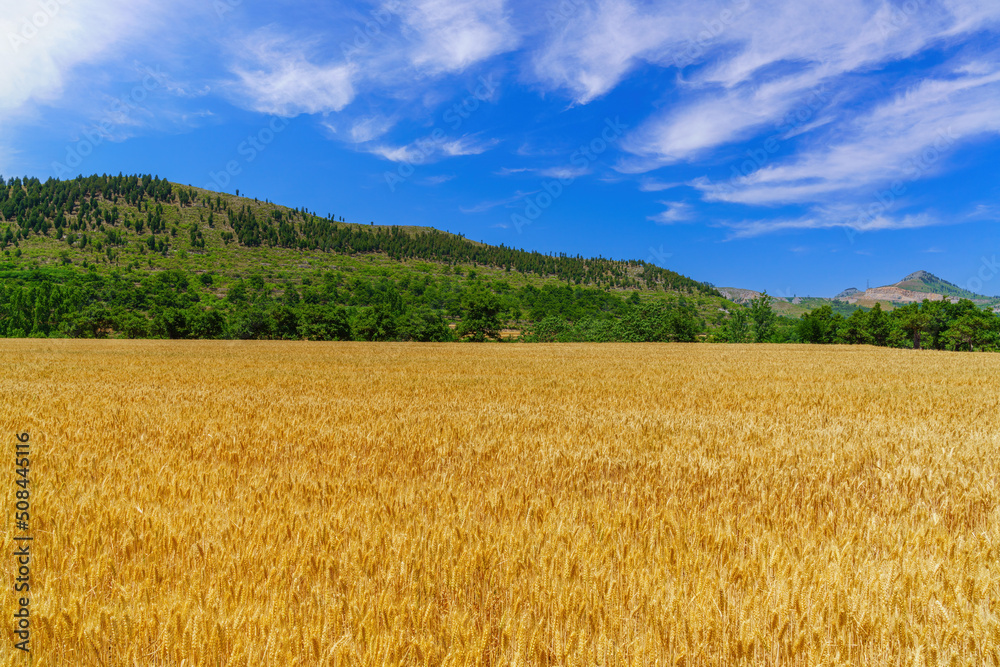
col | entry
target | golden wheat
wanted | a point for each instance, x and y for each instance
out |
(219, 503)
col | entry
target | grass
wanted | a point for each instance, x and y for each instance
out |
(278, 266)
(360, 504)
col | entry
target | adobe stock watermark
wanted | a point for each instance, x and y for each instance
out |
(249, 149)
(714, 29)
(381, 18)
(988, 270)
(31, 26)
(916, 167)
(762, 154)
(566, 10)
(97, 134)
(899, 17)
(580, 161)
(658, 256)
(223, 7)
(424, 148)
(363, 34)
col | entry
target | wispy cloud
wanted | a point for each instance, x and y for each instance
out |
(276, 75)
(484, 206)
(829, 219)
(900, 141)
(451, 35)
(43, 44)
(769, 61)
(440, 179)
(561, 172)
(564, 172)
(674, 213)
(369, 128)
(506, 171)
(467, 145)
(689, 132)
(593, 51)
(650, 185)
(985, 212)
(432, 149)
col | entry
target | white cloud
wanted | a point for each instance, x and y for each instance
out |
(278, 77)
(399, 153)
(675, 212)
(900, 141)
(567, 173)
(467, 145)
(507, 171)
(484, 206)
(431, 149)
(830, 219)
(700, 126)
(985, 212)
(651, 185)
(597, 46)
(440, 179)
(451, 35)
(369, 128)
(769, 62)
(42, 43)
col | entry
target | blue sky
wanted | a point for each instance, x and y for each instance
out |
(799, 147)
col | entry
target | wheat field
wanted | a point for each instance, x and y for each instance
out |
(223, 503)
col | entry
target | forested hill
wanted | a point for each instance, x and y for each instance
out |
(138, 256)
(131, 215)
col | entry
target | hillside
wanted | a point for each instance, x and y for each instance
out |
(167, 246)
(914, 288)
(925, 282)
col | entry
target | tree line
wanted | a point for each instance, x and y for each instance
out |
(333, 306)
(933, 325)
(340, 306)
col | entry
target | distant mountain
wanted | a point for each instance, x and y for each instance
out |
(923, 281)
(739, 295)
(914, 288)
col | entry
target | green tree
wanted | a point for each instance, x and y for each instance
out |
(251, 323)
(971, 328)
(171, 323)
(877, 326)
(425, 326)
(548, 330)
(256, 282)
(208, 324)
(763, 318)
(853, 330)
(376, 323)
(318, 322)
(914, 321)
(737, 328)
(237, 292)
(285, 322)
(819, 326)
(480, 316)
